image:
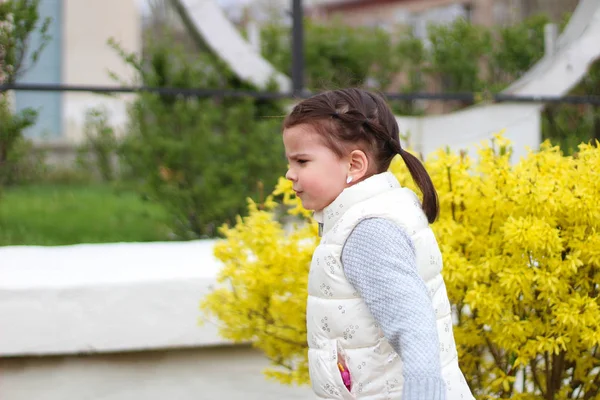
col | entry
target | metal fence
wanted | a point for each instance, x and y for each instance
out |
(264, 95)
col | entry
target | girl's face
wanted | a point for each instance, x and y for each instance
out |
(318, 175)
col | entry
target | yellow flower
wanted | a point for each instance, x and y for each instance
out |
(521, 249)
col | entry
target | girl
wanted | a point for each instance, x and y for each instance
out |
(378, 316)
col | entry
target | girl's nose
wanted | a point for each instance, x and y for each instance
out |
(289, 175)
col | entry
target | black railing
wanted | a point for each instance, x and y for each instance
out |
(205, 93)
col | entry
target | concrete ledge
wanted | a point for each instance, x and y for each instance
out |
(105, 297)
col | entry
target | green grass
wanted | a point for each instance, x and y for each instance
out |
(71, 214)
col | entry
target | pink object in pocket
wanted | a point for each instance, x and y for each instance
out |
(343, 367)
(346, 379)
(345, 376)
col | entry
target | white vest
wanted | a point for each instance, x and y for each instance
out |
(338, 321)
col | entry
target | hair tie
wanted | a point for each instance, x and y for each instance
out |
(396, 146)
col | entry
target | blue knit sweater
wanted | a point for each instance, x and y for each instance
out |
(379, 261)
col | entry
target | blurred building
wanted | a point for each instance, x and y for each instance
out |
(417, 13)
(78, 54)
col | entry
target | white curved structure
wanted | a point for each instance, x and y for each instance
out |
(576, 49)
(208, 24)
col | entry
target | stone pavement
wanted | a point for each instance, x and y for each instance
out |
(228, 373)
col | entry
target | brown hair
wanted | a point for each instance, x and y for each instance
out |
(355, 117)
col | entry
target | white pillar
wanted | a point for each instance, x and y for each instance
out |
(550, 35)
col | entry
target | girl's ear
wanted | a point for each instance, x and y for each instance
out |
(359, 165)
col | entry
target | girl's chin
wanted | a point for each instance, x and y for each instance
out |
(307, 205)
(309, 208)
(313, 207)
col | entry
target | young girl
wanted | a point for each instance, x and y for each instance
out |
(378, 316)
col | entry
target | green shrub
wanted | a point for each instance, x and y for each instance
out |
(18, 20)
(456, 53)
(200, 158)
(13, 146)
(336, 55)
(101, 145)
(460, 56)
(25, 165)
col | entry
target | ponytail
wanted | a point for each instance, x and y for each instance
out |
(419, 174)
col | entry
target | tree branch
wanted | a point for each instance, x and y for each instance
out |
(497, 357)
(536, 380)
(558, 365)
(549, 386)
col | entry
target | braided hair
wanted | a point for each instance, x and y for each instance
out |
(353, 118)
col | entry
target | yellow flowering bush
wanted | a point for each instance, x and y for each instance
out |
(521, 247)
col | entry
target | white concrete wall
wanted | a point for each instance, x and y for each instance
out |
(87, 58)
(119, 322)
(469, 128)
(104, 297)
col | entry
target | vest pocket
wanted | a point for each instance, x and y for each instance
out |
(341, 373)
(325, 374)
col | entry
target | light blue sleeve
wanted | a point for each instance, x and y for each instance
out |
(380, 262)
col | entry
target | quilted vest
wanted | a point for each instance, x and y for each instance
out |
(339, 325)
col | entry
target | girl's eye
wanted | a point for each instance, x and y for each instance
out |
(302, 161)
